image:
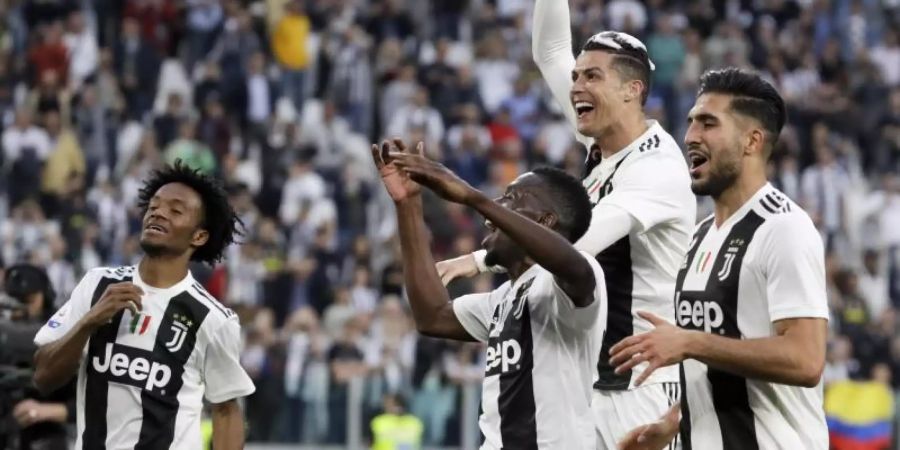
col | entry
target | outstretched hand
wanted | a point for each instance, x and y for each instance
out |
(662, 346)
(398, 183)
(434, 175)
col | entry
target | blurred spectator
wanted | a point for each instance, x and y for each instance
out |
(25, 148)
(137, 68)
(824, 186)
(345, 359)
(50, 54)
(203, 19)
(395, 428)
(417, 114)
(668, 54)
(82, 49)
(290, 46)
(65, 156)
(191, 151)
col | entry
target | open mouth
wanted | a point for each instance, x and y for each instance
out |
(698, 161)
(583, 108)
(155, 228)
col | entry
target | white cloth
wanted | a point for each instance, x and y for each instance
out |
(258, 98)
(781, 276)
(618, 412)
(15, 140)
(299, 191)
(541, 354)
(149, 374)
(84, 54)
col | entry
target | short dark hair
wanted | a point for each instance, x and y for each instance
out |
(570, 200)
(752, 96)
(219, 218)
(629, 64)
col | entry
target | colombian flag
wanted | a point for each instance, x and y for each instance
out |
(859, 415)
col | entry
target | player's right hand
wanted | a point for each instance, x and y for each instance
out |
(653, 436)
(461, 266)
(398, 183)
(115, 298)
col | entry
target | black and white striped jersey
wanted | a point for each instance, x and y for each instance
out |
(649, 180)
(143, 377)
(540, 358)
(763, 264)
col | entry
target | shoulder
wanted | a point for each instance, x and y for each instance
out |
(786, 227)
(781, 215)
(93, 278)
(120, 273)
(657, 159)
(216, 312)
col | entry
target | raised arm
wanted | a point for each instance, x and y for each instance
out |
(546, 247)
(551, 49)
(430, 303)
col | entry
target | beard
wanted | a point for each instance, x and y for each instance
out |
(152, 249)
(721, 177)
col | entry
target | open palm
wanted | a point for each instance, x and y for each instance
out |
(397, 182)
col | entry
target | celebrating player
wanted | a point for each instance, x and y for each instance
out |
(543, 327)
(643, 210)
(148, 342)
(750, 297)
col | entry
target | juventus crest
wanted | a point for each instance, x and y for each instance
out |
(180, 326)
(734, 247)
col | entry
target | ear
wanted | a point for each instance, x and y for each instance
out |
(200, 237)
(755, 142)
(633, 90)
(548, 220)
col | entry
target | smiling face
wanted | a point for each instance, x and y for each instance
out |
(598, 92)
(524, 196)
(172, 222)
(713, 141)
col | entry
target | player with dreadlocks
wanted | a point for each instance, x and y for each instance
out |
(148, 342)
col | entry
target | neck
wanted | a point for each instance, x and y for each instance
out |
(620, 135)
(735, 196)
(516, 269)
(163, 271)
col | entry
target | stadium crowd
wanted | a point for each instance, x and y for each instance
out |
(281, 98)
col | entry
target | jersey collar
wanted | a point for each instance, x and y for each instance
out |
(180, 286)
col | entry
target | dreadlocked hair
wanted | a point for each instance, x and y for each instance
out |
(219, 218)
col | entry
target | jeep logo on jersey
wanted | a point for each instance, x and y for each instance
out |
(700, 315)
(503, 356)
(132, 366)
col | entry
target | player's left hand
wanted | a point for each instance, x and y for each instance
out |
(28, 412)
(654, 436)
(435, 176)
(665, 345)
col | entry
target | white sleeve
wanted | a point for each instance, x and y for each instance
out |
(70, 313)
(794, 265)
(551, 49)
(609, 223)
(650, 194)
(545, 292)
(474, 312)
(223, 375)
